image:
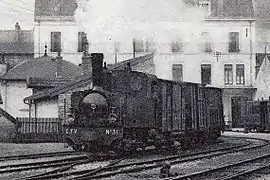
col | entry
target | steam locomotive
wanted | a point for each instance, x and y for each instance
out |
(126, 110)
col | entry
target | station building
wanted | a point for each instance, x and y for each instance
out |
(216, 49)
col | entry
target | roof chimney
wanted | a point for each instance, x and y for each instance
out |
(17, 26)
(59, 60)
(45, 53)
(18, 39)
(3, 66)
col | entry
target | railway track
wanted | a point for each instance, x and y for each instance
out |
(122, 168)
(230, 171)
(47, 165)
(35, 156)
(40, 164)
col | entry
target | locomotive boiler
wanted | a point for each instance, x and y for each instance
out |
(126, 110)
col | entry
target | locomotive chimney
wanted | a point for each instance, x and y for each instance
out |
(97, 62)
(59, 62)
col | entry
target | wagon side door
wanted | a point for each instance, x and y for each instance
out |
(177, 108)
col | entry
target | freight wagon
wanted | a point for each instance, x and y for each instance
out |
(256, 115)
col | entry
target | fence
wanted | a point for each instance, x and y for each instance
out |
(38, 130)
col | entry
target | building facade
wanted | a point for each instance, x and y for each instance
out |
(216, 49)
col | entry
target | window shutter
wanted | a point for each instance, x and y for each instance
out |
(55, 41)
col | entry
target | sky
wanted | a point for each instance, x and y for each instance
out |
(12, 11)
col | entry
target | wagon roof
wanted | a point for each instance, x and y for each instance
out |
(84, 82)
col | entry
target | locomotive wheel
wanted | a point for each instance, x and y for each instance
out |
(80, 147)
(117, 147)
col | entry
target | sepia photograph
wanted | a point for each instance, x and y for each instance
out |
(135, 89)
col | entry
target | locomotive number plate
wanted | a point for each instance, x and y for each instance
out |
(112, 131)
(71, 131)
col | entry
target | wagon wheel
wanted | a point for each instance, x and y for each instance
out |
(76, 147)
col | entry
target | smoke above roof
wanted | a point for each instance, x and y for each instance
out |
(107, 20)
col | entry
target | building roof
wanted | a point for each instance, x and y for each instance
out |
(36, 82)
(263, 80)
(259, 60)
(8, 116)
(54, 8)
(16, 41)
(220, 9)
(232, 9)
(43, 67)
(260, 57)
(84, 82)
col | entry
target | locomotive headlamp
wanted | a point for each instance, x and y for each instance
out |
(70, 119)
(112, 118)
(93, 106)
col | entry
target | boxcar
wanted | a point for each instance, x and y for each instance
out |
(256, 115)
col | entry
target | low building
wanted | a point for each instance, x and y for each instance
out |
(32, 76)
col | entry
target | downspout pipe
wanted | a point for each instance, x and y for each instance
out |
(250, 52)
(29, 103)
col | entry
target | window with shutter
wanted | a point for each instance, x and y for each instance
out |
(240, 74)
(206, 73)
(233, 42)
(176, 46)
(81, 41)
(228, 74)
(206, 42)
(55, 41)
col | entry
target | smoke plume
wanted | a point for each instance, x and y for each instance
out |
(111, 21)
